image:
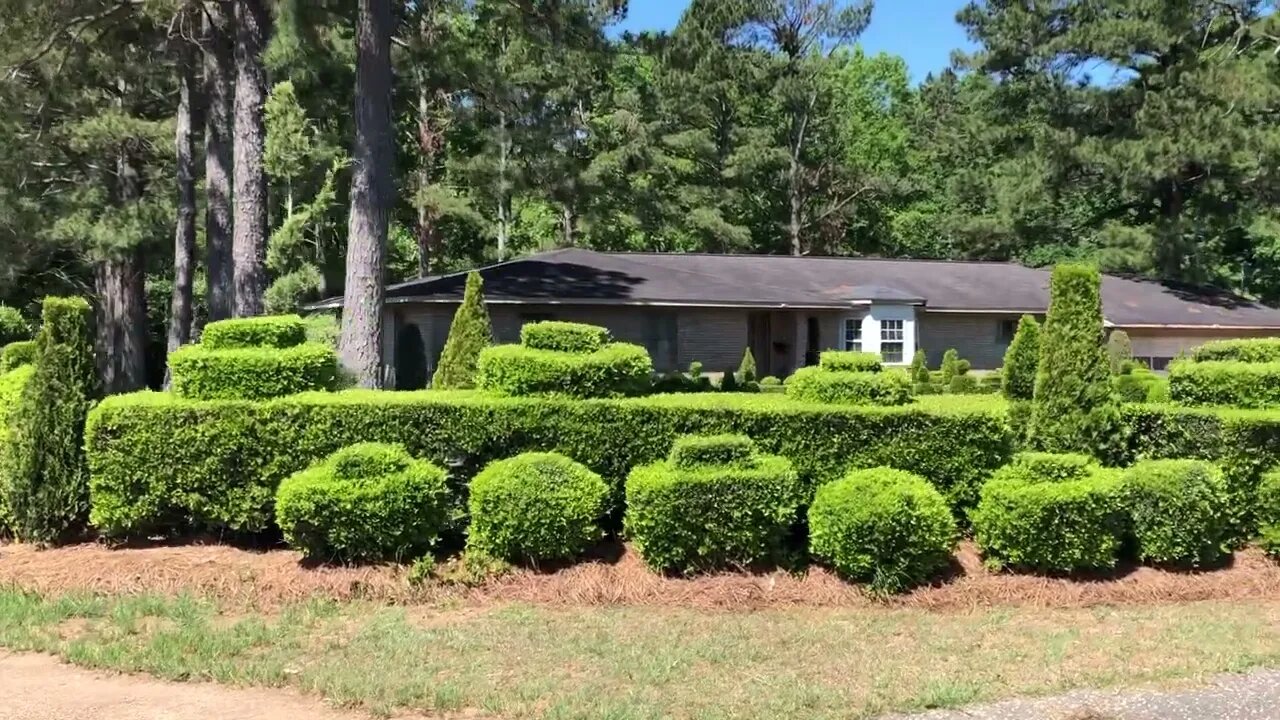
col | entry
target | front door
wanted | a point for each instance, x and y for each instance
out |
(760, 340)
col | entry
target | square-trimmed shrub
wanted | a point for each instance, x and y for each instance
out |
(727, 449)
(816, 384)
(161, 462)
(690, 519)
(1251, 350)
(1226, 383)
(535, 506)
(369, 501)
(564, 336)
(16, 354)
(1048, 467)
(515, 370)
(849, 361)
(883, 526)
(270, 331)
(1177, 511)
(252, 373)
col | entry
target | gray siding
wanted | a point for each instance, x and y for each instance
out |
(975, 336)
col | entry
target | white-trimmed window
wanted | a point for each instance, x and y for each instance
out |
(853, 334)
(892, 340)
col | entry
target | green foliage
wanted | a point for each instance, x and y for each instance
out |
(1033, 467)
(689, 519)
(1021, 360)
(1268, 507)
(1139, 385)
(369, 501)
(849, 361)
(817, 384)
(693, 451)
(271, 331)
(769, 381)
(252, 373)
(883, 526)
(535, 506)
(16, 354)
(160, 462)
(1178, 512)
(1119, 351)
(747, 368)
(1252, 350)
(564, 336)
(516, 370)
(323, 329)
(728, 382)
(964, 385)
(950, 366)
(13, 327)
(12, 384)
(1225, 382)
(47, 481)
(469, 334)
(1050, 526)
(919, 368)
(1073, 410)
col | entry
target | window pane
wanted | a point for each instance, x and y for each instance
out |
(891, 331)
(891, 352)
(853, 334)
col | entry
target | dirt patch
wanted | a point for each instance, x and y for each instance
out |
(260, 579)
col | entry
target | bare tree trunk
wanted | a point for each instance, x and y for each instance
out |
(184, 234)
(567, 216)
(360, 346)
(429, 143)
(122, 322)
(249, 216)
(219, 89)
(504, 216)
(793, 206)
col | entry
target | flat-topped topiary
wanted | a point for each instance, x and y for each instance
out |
(253, 359)
(692, 451)
(564, 336)
(849, 360)
(818, 384)
(611, 369)
(271, 331)
(1251, 350)
(1178, 511)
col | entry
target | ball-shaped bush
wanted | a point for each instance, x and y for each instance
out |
(883, 526)
(536, 506)
(1178, 511)
(370, 501)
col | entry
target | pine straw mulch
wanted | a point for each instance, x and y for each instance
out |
(615, 576)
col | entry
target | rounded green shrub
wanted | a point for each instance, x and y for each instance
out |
(883, 526)
(849, 361)
(271, 331)
(689, 519)
(17, 354)
(1178, 511)
(816, 384)
(535, 506)
(615, 369)
(564, 336)
(252, 373)
(1050, 527)
(963, 385)
(370, 501)
(693, 451)
(13, 327)
(1252, 350)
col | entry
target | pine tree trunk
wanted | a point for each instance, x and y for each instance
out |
(504, 216)
(219, 90)
(184, 234)
(360, 346)
(249, 216)
(122, 322)
(793, 206)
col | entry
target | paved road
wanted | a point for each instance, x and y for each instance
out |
(1250, 696)
(38, 687)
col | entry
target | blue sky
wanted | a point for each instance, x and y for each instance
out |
(922, 31)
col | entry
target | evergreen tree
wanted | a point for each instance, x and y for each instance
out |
(920, 367)
(747, 368)
(1072, 408)
(1021, 360)
(468, 335)
(1119, 351)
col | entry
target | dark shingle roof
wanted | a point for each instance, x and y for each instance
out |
(585, 276)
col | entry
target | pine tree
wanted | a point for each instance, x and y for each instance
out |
(1021, 359)
(1072, 408)
(468, 335)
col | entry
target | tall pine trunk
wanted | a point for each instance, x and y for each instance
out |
(249, 215)
(122, 321)
(360, 346)
(184, 233)
(219, 90)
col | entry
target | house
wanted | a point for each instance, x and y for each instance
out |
(709, 308)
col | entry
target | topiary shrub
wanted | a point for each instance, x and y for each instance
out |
(564, 336)
(17, 354)
(919, 368)
(535, 506)
(252, 373)
(1236, 383)
(616, 369)
(883, 526)
(1178, 510)
(272, 331)
(469, 334)
(963, 385)
(688, 519)
(1137, 385)
(1042, 513)
(817, 384)
(1255, 350)
(1119, 351)
(47, 485)
(849, 361)
(12, 384)
(728, 382)
(692, 451)
(747, 368)
(13, 327)
(370, 501)
(1021, 360)
(1073, 410)
(951, 366)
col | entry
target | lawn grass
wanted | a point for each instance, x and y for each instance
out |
(521, 661)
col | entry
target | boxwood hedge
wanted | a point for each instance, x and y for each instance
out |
(252, 373)
(727, 449)
(16, 354)
(1255, 350)
(1177, 511)
(564, 336)
(817, 384)
(159, 461)
(616, 369)
(1233, 383)
(274, 331)
(849, 361)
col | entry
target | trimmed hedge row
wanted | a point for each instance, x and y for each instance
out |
(849, 361)
(1178, 512)
(817, 384)
(696, 450)
(1233, 383)
(1255, 350)
(252, 373)
(517, 370)
(159, 461)
(271, 331)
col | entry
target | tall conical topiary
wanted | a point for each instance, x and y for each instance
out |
(468, 335)
(1072, 406)
(47, 483)
(1021, 359)
(747, 368)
